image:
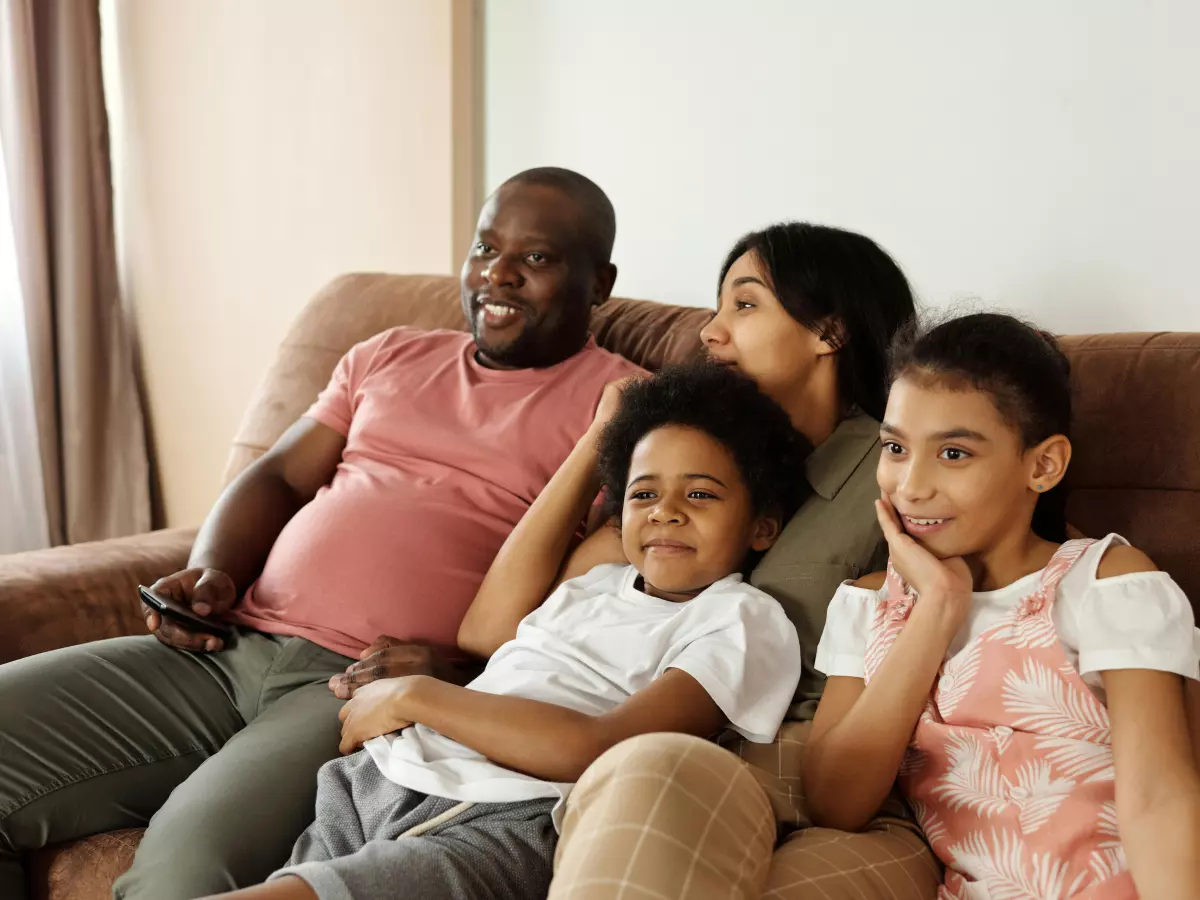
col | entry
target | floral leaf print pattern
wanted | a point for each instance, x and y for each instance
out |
(888, 623)
(1077, 759)
(1001, 737)
(1025, 632)
(1108, 826)
(1108, 863)
(933, 827)
(1045, 705)
(958, 675)
(1008, 873)
(913, 762)
(1038, 795)
(974, 779)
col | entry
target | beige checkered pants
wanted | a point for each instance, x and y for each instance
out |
(668, 817)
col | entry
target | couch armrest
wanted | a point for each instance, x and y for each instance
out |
(85, 592)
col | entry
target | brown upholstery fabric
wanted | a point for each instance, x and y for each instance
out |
(1136, 471)
(1136, 434)
(83, 870)
(86, 592)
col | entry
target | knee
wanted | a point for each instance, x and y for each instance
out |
(668, 770)
(650, 807)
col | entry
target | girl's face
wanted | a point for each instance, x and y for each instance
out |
(956, 472)
(752, 330)
(687, 519)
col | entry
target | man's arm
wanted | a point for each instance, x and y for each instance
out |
(237, 535)
(531, 559)
(540, 739)
(525, 569)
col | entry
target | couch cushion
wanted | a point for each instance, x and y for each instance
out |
(1136, 434)
(84, 869)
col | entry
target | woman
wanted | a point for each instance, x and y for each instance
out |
(808, 312)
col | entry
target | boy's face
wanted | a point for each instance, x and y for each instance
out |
(687, 519)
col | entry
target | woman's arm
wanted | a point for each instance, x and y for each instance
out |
(539, 739)
(526, 568)
(860, 733)
(1158, 787)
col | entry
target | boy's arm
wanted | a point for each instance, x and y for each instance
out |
(526, 568)
(540, 739)
(1158, 787)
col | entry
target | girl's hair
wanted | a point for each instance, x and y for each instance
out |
(727, 406)
(841, 286)
(1020, 367)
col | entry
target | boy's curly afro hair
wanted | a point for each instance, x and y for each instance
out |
(727, 406)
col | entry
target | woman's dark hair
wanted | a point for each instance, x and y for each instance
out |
(725, 405)
(841, 286)
(1020, 367)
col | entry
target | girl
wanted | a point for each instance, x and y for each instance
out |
(698, 463)
(1028, 694)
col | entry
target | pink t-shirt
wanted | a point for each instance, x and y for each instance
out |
(443, 456)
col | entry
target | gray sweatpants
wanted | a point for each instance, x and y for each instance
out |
(218, 752)
(357, 848)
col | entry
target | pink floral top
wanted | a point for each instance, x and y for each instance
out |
(1010, 769)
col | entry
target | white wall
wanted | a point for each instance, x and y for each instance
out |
(260, 149)
(1039, 156)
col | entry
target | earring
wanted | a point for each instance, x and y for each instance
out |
(1039, 487)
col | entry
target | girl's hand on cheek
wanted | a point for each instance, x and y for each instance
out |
(949, 580)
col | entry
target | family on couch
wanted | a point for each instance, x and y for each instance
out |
(1026, 695)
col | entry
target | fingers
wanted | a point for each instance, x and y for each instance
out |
(213, 593)
(175, 635)
(889, 522)
(380, 643)
(177, 585)
(366, 672)
(342, 687)
(349, 742)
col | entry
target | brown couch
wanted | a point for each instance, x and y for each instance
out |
(1137, 471)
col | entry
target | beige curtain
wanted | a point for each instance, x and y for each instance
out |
(55, 131)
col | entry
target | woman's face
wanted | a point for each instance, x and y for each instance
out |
(752, 331)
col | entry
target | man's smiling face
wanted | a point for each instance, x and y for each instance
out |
(529, 281)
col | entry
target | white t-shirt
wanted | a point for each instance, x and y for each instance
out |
(1138, 621)
(595, 642)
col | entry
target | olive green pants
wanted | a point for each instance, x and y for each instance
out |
(218, 753)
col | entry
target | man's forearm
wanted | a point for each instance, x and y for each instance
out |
(242, 527)
(524, 570)
(539, 739)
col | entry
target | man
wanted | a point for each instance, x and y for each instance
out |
(375, 514)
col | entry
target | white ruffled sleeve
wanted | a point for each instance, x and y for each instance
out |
(843, 647)
(1142, 620)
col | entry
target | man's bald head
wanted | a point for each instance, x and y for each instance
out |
(539, 262)
(598, 220)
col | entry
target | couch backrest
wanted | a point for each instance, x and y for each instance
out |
(1137, 400)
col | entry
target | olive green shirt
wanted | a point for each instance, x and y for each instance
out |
(834, 536)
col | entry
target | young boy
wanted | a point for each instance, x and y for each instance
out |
(459, 797)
